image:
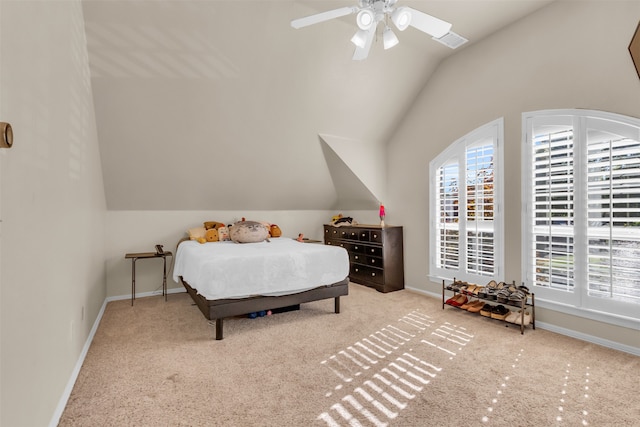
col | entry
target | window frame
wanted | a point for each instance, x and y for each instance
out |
(456, 153)
(577, 302)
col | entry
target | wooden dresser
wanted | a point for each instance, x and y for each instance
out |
(375, 254)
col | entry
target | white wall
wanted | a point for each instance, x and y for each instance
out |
(140, 231)
(567, 55)
(53, 205)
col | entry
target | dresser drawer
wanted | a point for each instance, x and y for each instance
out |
(375, 236)
(332, 242)
(331, 233)
(357, 258)
(351, 234)
(372, 250)
(374, 261)
(366, 273)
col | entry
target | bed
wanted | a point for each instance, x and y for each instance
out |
(227, 279)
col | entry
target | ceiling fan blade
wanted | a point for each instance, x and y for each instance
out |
(323, 16)
(428, 24)
(362, 52)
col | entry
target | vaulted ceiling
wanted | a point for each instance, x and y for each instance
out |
(222, 105)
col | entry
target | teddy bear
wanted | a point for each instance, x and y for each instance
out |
(213, 224)
(211, 235)
(275, 231)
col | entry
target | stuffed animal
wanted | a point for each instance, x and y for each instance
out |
(248, 232)
(342, 221)
(211, 235)
(275, 231)
(213, 224)
(223, 234)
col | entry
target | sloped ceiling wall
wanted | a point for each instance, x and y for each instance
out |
(219, 104)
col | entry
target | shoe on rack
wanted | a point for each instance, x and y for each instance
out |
(499, 312)
(468, 289)
(486, 310)
(476, 306)
(511, 317)
(467, 304)
(503, 296)
(457, 300)
(460, 299)
(526, 321)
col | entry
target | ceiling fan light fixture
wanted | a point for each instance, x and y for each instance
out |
(389, 38)
(401, 18)
(359, 38)
(365, 19)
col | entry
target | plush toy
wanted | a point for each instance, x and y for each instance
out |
(275, 231)
(201, 240)
(336, 217)
(223, 234)
(213, 224)
(211, 235)
(343, 221)
(248, 232)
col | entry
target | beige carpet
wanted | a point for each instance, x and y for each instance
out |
(392, 359)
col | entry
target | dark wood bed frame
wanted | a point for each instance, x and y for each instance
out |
(219, 309)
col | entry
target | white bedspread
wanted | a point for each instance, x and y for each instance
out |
(237, 270)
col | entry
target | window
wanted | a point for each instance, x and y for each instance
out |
(581, 232)
(466, 223)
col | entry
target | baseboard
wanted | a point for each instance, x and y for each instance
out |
(589, 338)
(146, 294)
(560, 330)
(55, 420)
(62, 403)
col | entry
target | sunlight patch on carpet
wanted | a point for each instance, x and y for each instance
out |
(384, 390)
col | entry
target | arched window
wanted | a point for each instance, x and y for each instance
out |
(581, 228)
(465, 207)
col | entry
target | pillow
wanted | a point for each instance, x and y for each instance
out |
(248, 232)
(196, 232)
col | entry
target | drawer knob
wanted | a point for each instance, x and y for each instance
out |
(373, 274)
(357, 257)
(375, 236)
(373, 261)
(356, 247)
(357, 270)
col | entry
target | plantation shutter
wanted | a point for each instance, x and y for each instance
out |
(613, 232)
(480, 208)
(448, 216)
(553, 210)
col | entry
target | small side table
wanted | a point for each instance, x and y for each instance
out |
(146, 255)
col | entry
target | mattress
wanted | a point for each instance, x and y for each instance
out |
(280, 266)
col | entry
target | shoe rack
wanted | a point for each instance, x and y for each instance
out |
(486, 300)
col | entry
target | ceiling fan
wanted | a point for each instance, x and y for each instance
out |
(372, 12)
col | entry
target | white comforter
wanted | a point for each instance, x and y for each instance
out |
(280, 266)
